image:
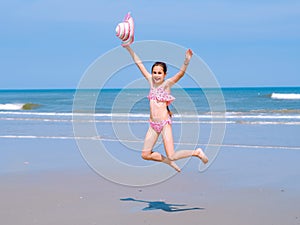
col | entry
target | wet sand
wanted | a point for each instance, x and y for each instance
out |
(48, 182)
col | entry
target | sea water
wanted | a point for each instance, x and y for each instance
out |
(40, 120)
(278, 104)
(24, 112)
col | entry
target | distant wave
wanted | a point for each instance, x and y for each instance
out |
(285, 96)
(18, 106)
(277, 111)
(230, 118)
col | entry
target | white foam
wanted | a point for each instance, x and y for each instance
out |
(285, 96)
(11, 106)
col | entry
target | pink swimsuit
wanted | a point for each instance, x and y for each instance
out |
(159, 94)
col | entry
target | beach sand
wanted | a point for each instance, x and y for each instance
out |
(47, 182)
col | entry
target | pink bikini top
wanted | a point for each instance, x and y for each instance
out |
(160, 95)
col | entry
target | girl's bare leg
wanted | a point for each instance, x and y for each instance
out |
(188, 153)
(148, 154)
(169, 147)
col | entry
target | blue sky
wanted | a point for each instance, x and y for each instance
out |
(50, 43)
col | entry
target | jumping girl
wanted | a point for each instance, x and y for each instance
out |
(160, 115)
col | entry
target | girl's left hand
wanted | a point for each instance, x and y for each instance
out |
(189, 54)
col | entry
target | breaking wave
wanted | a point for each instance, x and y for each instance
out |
(285, 96)
(18, 106)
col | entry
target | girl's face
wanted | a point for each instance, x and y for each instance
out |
(158, 75)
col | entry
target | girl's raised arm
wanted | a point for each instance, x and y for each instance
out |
(179, 75)
(138, 62)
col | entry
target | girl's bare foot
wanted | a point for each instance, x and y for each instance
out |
(171, 163)
(174, 165)
(200, 154)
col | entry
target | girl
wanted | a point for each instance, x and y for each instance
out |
(160, 115)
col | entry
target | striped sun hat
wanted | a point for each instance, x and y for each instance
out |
(125, 30)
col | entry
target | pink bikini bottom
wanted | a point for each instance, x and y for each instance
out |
(158, 126)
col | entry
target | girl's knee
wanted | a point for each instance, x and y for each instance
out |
(146, 155)
(171, 157)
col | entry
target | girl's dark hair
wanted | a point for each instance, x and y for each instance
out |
(162, 64)
(169, 111)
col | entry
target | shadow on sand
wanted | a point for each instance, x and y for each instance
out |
(160, 205)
